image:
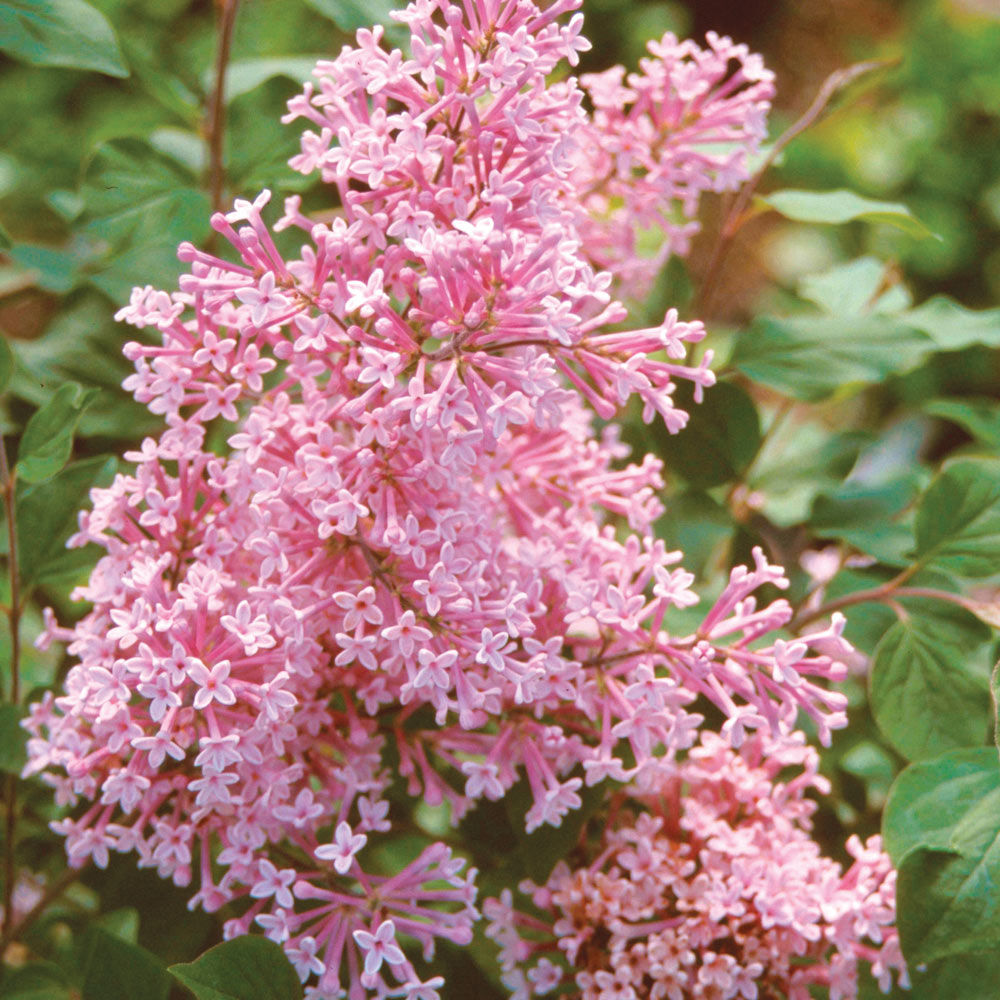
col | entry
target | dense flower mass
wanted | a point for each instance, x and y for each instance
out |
(706, 884)
(380, 533)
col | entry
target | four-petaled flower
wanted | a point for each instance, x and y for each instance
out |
(345, 845)
(263, 299)
(379, 947)
(212, 684)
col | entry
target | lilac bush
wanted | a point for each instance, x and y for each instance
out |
(383, 531)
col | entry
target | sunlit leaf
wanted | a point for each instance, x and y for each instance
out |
(48, 438)
(863, 514)
(122, 923)
(349, 15)
(840, 206)
(980, 416)
(186, 148)
(951, 326)
(811, 358)
(799, 460)
(244, 75)
(856, 288)
(67, 33)
(56, 269)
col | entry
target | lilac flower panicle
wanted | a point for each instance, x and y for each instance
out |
(411, 541)
(707, 884)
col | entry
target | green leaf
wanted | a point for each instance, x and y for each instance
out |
(948, 903)
(154, 263)
(260, 148)
(66, 204)
(48, 439)
(113, 969)
(123, 923)
(861, 513)
(838, 207)
(922, 696)
(149, 73)
(541, 849)
(83, 344)
(12, 739)
(958, 520)
(799, 460)
(950, 623)
(56, 269)
(5, 240)
(184, 147)
(36, 981)
(969, 977)
(811, 358)
(953, 327)
(720, 440)
(136, 195)
(47, 515)
(245, 75)
(67, 33)
(995, 696)
(245, 968)
(980, 416)
(856, 288)
(349, 15)
(928, 800)
(698, 525)
(6, 364)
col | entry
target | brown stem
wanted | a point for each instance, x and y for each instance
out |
(886, 591)
(216, 125)
(7, 487)
(10, 835)
(834, 83)
(901, 613)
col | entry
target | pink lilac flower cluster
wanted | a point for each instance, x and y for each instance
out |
(380, 534)
(659, 138)
(705, 883)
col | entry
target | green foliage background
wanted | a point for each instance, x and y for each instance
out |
(858, 412)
